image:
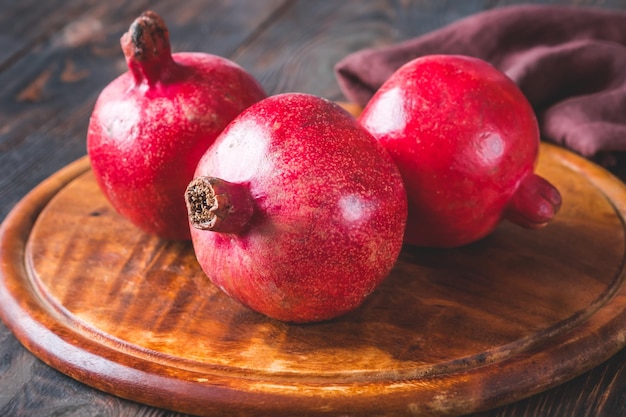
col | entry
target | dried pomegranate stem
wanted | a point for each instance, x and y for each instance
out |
(217, 205)
(146, 47)
(534, 203)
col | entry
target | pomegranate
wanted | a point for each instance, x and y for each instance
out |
(151, 125)
(297, 211)
(466, 141)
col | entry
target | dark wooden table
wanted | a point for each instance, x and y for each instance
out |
(56, 56)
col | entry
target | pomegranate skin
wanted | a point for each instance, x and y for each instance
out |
(151, 125)
(318, 210)
(465, 139)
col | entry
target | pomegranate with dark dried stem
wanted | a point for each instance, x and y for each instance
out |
(466, 141)
(296, 211)
(151, 125)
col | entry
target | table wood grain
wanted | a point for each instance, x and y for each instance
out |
(56, 56)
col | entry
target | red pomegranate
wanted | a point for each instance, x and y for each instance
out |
(466, 141)
(151, 125)
(297, 211)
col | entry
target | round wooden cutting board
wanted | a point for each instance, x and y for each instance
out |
(449, 332)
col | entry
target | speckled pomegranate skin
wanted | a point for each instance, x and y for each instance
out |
(151, 125)
(329, 210)
(464, 138)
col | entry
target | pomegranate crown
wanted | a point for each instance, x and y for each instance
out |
(146, 47)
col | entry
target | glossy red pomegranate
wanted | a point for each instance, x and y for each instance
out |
(296, 210)
(151, 125)
(466, 141)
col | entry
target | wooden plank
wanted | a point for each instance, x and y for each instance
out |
(23, 24)
(298, 53)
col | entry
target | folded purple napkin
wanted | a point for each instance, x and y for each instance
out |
(570, 63)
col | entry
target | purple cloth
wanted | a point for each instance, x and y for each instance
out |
(570, 63)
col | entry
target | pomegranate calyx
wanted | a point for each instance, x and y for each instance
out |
(147, 49)
(217, 205)
(535, 202)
